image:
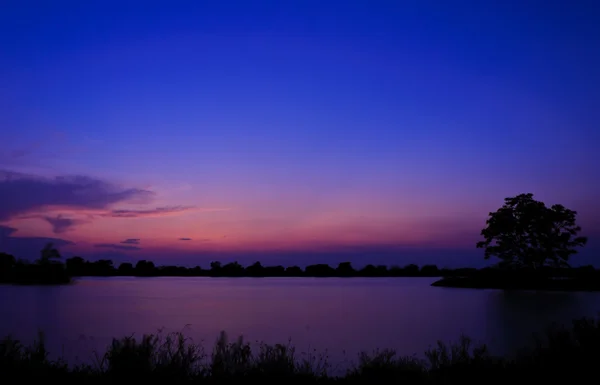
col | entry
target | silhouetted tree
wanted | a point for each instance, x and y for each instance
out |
(215, 266)
(369, 270)
(430, 270)
(294, 271)
(274, 271)
(103, 267)
(374, 271)
(125, 268)
(7, 261)
(76, 266)
(232, 269)
(526, 233)
(255, 270)
(144, 268)
(7, 264)
(48, 253)
(411, 270)
(345, 269)
(319, 270)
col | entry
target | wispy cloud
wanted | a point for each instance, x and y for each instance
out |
(131, 241)
(66, 202)
(23, 193)
(195, 240)
(62, 224)
(116, 247)
(156, 212)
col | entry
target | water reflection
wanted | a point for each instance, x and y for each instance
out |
(514, 316)
(343, 316)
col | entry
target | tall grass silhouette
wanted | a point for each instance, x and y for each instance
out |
(561, 352)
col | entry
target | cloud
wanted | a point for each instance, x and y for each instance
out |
(132, 241)
(116, 247)
(61, 224)
(185, 239)
(157, 212)
(6, 231)
(15, 156)
(23, 193)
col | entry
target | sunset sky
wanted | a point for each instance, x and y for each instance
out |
(292, 132)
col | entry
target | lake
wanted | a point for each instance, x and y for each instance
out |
(340, 315)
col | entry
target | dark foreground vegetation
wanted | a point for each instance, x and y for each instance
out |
(563, 353)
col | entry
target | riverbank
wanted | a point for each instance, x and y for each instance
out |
(567, 353)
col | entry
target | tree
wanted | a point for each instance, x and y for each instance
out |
(256, 269)
(76, 265)
(526, 233)
(144, 268)
(48, 253)
(345, 268)
(431, 270)
(411, 269)
(126, 268)
(232, 268)
(7, 264)
(7, 261)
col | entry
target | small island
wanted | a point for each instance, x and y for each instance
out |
(534, 243)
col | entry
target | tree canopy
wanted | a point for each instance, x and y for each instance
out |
(48, 253)
(525, 232)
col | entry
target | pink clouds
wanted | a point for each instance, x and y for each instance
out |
(23, 193)
(68, 201)
(156, 212)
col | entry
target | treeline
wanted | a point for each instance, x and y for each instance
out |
(45, 271)
(79, 267)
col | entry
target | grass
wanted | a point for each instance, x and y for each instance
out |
(567, 353)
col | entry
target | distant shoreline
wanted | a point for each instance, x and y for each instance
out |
(55, 272)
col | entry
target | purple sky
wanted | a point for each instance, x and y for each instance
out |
(292, 132)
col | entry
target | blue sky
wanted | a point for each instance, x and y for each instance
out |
(283, 128)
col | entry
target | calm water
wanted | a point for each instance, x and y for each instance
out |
(343, 316)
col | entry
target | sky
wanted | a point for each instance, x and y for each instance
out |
(292, 132)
